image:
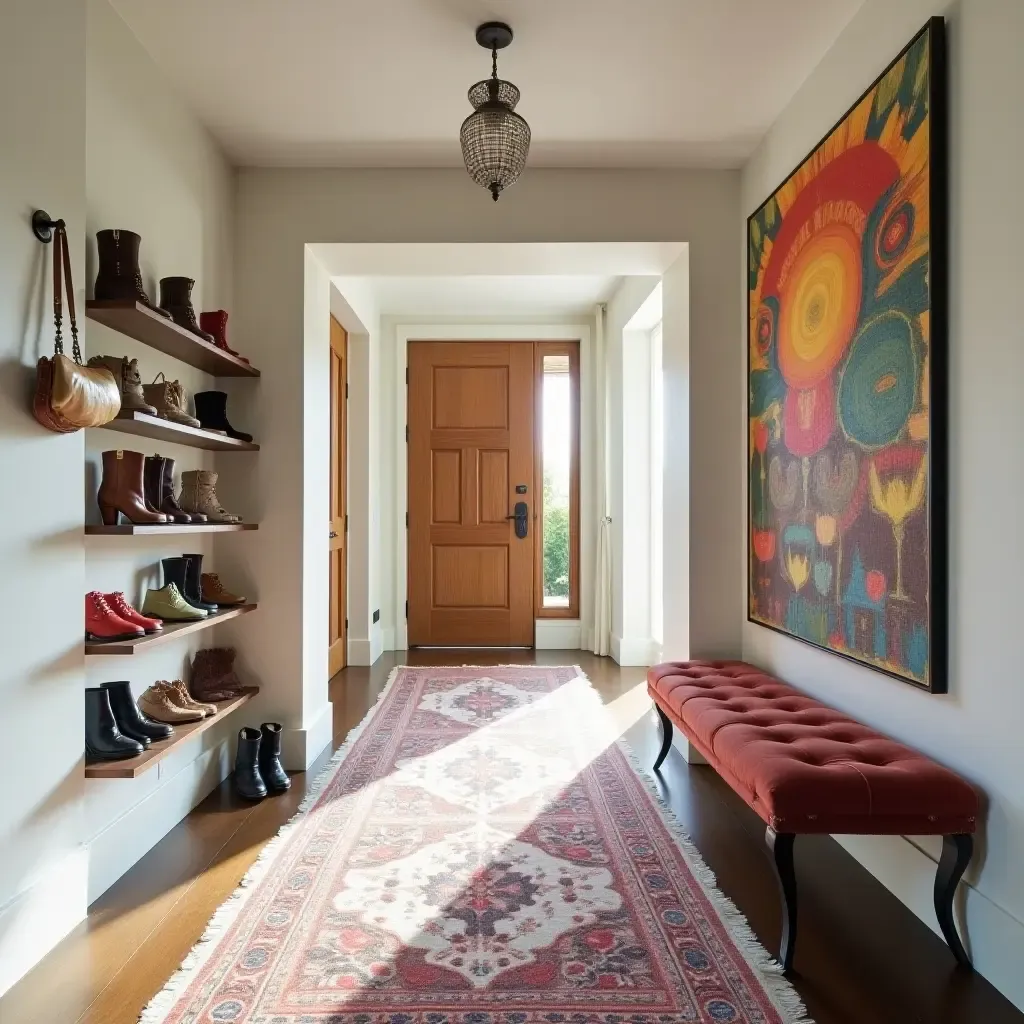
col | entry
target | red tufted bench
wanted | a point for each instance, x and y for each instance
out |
(807, 768)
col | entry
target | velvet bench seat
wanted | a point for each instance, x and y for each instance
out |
(805, 768)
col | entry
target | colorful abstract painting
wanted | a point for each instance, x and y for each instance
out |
(846, 308)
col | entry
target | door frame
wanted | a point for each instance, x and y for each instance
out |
(343, 487)
(569, 631)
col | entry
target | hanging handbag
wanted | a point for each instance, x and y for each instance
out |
(68, 395)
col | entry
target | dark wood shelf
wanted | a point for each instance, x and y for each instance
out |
(133, 530)
(171, 631)
(145, 425)
(142, 324)
(133, 767)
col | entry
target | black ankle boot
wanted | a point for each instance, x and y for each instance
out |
(248, 781)
(119, 278)
(103, 739)
(274, 775)
(176, 298)
(176, 572)
(194, 583)
(212, 413)
(130, 720)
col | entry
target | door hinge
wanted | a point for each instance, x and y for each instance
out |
(346, 524)
(407, 433)
(407, 375)
(407, 609)
(407, 520)
(346, 389)
(346, 623)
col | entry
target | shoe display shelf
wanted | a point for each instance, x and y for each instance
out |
(141, 323)
(144, 425)
(133, 767)
(135, 529)
(171, 631)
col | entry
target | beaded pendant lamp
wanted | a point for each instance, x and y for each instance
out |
(495, 139)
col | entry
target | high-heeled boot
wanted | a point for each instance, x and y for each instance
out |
(119, 278)
(212, 410)
(248, 782)
(176, 298)
(123, 491)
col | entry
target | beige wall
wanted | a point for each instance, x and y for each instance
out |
(280, 211)
(976, 727)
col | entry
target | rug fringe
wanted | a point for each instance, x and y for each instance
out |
(156, 1011)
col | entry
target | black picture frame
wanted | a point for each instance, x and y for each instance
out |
(938, 406)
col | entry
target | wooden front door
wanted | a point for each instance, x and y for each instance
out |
(338, 628)
(471, 455)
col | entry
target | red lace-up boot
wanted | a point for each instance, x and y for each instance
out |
(103, 623)
(216, 323)
(123, 609)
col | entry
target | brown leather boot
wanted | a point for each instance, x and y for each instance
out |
(214, 677)
(126, 373)
(119, 278)
(123, 490)
(176, 298)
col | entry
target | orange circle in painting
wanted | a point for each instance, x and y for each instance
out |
(819, 305)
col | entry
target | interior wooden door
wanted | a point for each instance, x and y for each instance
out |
(471, 460)
(338, 629)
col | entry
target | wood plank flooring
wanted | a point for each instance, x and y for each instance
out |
(863, 958)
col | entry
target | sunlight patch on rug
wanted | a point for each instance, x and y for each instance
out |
(481, 851)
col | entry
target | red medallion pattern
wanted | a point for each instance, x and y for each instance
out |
(471, 860)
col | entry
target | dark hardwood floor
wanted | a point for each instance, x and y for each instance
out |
(863, 958)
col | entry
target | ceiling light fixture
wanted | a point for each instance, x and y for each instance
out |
(495, 139)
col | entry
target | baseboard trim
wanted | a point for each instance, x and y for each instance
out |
(360, 652)
(388, 636)
(633, 650)
(301, 747)
(557, 634)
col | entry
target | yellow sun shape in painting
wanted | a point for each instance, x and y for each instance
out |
(819, 305)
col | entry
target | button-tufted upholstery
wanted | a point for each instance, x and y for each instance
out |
(802, 766)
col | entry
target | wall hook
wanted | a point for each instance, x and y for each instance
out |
(42, 226)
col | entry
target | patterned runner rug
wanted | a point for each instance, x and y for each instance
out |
(481, 851)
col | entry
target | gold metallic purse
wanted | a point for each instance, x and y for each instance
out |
(68, 395)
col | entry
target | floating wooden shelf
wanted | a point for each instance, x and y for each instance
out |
(133, 767)
(142, 324)
(171, 631)
(133, 530)
(144, 425)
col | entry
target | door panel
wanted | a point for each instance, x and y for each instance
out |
(337, 538)
(471, 414)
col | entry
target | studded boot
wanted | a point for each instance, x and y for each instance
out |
(168, 396)
(119, 278)
(199, 494)
(176, 298)
(126, 373)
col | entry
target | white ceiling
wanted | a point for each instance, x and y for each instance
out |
(485, 296)
(377, 83)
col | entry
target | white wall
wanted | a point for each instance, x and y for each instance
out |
(281, 210)
(42, 672)
(95, 136)
(975, 729)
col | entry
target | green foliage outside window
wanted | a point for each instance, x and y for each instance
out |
(556, 544)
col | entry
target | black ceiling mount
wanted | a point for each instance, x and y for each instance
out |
(42, 226)
(494, 35)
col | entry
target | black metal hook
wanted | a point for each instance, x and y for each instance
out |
(42, 226)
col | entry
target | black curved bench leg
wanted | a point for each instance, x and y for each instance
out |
(780, 845)
(956, 855)
(666, 737)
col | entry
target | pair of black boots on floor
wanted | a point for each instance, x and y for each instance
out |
(115, 728)
(258, 769)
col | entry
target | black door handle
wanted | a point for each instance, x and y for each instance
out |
(521, 515)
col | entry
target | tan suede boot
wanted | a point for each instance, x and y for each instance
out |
(169, 398)
(157, 702)
(180, 695)
(126, 373)
(199, 494)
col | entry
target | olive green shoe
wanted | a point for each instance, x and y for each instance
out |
(167, 603)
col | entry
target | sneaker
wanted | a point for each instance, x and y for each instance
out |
(167, 603)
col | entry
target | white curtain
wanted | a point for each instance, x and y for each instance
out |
(602, 631)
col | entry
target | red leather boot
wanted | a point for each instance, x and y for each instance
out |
(103, 623)
(216, 323)
(123, 609)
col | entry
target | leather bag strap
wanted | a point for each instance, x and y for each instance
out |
(62, 262)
